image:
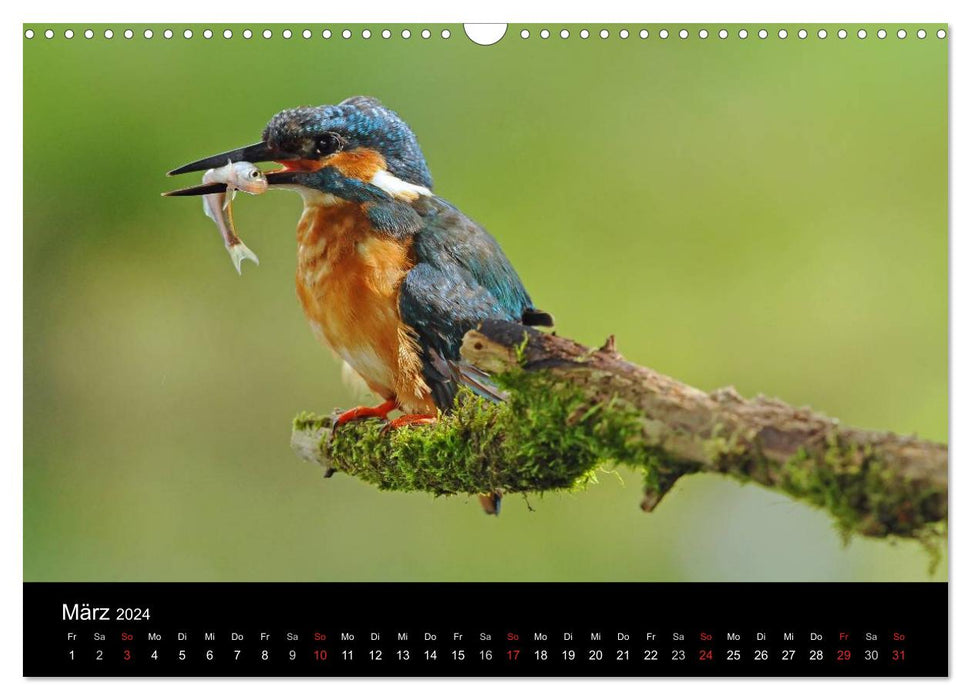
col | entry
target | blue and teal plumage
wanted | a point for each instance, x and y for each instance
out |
(460, 278)
(360, 121)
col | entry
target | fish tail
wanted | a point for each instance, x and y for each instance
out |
(238, 252)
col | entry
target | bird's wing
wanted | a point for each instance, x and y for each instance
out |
(449, 238)
(461, 277)
(441, 306)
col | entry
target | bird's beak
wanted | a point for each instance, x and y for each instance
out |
(256, 153)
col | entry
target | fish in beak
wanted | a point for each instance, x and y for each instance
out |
(225, 174)
(255, 153)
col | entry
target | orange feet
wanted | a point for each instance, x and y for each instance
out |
(411, 419)
(360, 412)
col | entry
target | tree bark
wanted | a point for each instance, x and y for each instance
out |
(874, 483)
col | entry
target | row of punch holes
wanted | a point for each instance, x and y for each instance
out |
(246, 34)
(488, 34)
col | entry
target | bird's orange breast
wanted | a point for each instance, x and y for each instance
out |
(348, 277)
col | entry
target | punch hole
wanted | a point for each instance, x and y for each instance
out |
(882, 34)
(683, 34)
(803, 34)
(109, 34)
(385, 33)
(861, 33)
(663, 33)
(307, 34)
(88, 34)
(148, 33)
(405, 33)
(29, 34)
(783, 34)
(365, 33)
(703, 33)
(604, 33)
(49, 34)
(425, 34)
(763, 34)
(446, 33)
(228, 34)
(487, 34)
(69, 34)
(187, 33)
(287, 34)
(821, 34)
(901, 33)
(742, 33)
(643, 34)
(267, 33)
(624, 34)
(722, 33)
(921, 34)
(545, 34)
(167, 33)
(346, 34)
(129, 34)
(941, 33)
(841, 33)
(584, 34)
(247, 34)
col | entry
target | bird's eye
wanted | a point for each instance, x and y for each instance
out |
(329, 143)
(255, 175)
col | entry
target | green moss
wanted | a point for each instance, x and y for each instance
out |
(544, 439)
(863, 495)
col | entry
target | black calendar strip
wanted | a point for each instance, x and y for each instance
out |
(471, 629)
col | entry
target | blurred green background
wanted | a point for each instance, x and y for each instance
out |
(765, 213)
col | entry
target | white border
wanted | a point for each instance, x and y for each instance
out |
(11, 308)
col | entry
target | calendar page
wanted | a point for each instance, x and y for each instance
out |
(485, 350)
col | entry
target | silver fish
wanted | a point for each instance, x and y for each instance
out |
(218, 207)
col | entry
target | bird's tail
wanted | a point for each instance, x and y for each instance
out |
(478, 381)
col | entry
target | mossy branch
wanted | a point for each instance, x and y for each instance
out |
(572, 408)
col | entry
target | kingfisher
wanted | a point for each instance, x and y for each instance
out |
(389, 275)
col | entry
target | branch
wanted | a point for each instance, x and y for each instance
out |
(571, 408)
